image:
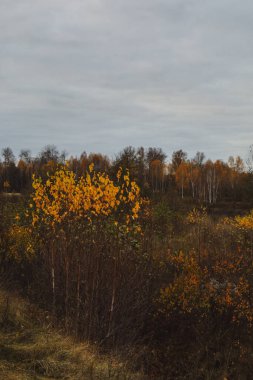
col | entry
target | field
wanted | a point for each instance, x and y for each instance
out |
(124, 279)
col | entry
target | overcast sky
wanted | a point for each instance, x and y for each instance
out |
(98, 75)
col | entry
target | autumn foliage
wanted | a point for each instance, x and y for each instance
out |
(211, 279)
(85, 232)
(65, 198)
(144, 257)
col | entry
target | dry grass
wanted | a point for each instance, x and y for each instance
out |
(31, 349)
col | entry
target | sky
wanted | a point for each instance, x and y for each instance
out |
(99, 75)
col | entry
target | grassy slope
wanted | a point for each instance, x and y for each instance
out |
(31, 349)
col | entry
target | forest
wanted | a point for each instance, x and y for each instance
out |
(146, 256)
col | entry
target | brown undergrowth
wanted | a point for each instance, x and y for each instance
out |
(30, 348)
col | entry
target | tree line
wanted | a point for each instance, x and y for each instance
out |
(198, 178)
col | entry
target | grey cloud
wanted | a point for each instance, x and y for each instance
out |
(102, 74)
